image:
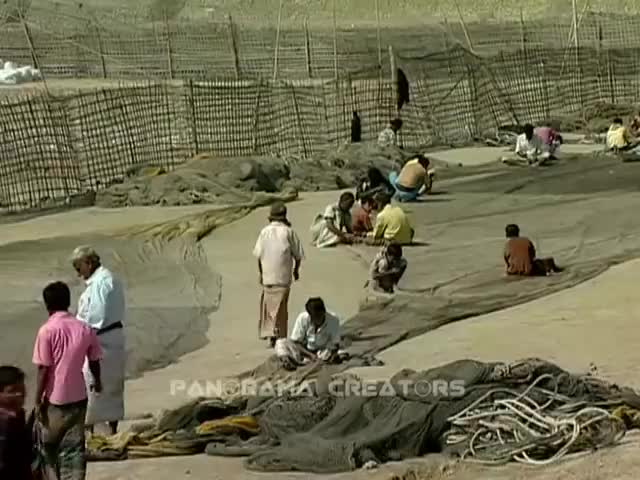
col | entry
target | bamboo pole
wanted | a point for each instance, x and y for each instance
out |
(234, 46)
(335, 42)
(394, 87)
(379, 36)
(576, 43)
(335, 72)
(101, 50)
(523, 34)
(32, 49)
(307, 48)
(169, 53)
(194, 125)
(256, 118)
(277, 50)
(467, 36)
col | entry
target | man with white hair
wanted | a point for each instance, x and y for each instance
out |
(102, 307)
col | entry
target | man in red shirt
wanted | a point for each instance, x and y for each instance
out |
(361, 217)
(520, 256)
(15, 440)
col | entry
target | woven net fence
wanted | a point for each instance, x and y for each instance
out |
(74, 41)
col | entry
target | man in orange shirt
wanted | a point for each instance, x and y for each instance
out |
(520, 256)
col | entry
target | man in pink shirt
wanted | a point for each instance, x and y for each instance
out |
(61, 347)
(550, 139)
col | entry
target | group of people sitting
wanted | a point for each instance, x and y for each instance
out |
(346, 223)
(535, 146)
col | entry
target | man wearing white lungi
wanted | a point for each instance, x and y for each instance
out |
(102, 307)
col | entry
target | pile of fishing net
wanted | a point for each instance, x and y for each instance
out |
(529, 411)
(594, 119)
(209, 179)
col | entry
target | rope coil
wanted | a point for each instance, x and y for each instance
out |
(495, 431)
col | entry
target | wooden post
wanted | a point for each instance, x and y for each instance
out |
(32, 49)
(307, 48)
(394, 88)
(576, 44)
(467, 36)
(611, 76)
(379, 36)
(277, 49)
(194, 124)
(256, 118)
(100, 49)
(335, 42)
(303, 143)
(335, 73)
(169, 52)
(234, 46)
(523, 35)
(447, 45)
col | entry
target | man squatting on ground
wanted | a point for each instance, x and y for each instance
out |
(387, 268)
(315, 336)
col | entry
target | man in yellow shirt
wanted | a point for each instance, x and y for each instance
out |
(392, 224)
(414, 179)
(619, 138)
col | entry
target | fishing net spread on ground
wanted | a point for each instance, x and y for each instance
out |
(529, 409)
(209, 179)
(171, 288)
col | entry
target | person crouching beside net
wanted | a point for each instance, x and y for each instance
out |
(520, 256)
(387, 269)
(315, 337)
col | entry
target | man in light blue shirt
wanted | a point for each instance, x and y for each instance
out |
(102, 306)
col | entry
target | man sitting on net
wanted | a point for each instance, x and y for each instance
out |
(520, 256)
(530, 149)
(619, 138)
(315, 336)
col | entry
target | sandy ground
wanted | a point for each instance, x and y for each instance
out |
(593, 322)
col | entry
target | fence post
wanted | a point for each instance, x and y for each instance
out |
(523, 34)
(307, 47)
(100, 49)
(256, 117)
(447, 46)
(335, 42)
(32, 49)
(194, 124)
(169, 52)
(576, 37)
(277, 49)
(379, 37)
(234, 46)
(467, 35)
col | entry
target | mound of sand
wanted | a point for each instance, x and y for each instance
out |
(228, 181)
